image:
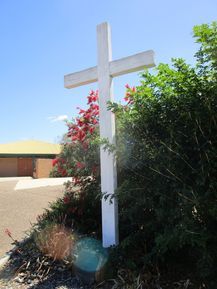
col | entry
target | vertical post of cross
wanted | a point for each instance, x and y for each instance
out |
(107, 130)
(103, 73)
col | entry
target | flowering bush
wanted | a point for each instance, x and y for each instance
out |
(79, 156)
(79, 159)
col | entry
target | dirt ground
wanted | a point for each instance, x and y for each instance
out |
(19, 209)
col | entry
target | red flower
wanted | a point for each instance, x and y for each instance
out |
(59, 170)
(63, 172)
(94, 121)
(89, 99)
(79, 122)
(81, 111)
(128, 97)
(81, 135)
(127, 86)
(94, 106)
(85, 128)
(54, 162)
(74, 138)
(80, 165)
(91, 129)
(87, 115)
(7, 232)
(66, 200)
(92, 97)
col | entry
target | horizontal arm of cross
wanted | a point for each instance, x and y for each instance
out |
(81, 77)
(132, 63)
(117, 67)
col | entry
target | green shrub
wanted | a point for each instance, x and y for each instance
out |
(167, 161)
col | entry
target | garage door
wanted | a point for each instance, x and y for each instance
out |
(25, 167)
(8, 167)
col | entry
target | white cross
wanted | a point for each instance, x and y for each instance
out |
(103, 73)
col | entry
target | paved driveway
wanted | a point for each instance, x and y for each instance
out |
(20, 208)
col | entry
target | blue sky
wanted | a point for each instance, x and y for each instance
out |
(41, 40)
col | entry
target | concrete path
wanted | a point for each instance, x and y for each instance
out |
(20, 208)
(36, 183)
(11, 179)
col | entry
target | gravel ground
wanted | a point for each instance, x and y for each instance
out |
(66, 281)
(28, 268)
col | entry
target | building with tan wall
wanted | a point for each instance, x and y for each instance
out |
(27, 158)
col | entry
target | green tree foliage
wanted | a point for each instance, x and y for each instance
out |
(167, 161)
